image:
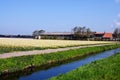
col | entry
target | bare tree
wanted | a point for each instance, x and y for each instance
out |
(88, 32)
(37, 33)
(81, 32)
(117, 33)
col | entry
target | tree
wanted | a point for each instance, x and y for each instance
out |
(77, 32)
(88, 32)
(36, 33)
(81, 32)
(116, 33)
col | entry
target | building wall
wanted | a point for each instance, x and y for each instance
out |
(59, 37)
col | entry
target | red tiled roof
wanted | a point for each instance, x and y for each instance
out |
(107, 35)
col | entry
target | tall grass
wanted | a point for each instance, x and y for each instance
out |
(19, 63)
(106, 69)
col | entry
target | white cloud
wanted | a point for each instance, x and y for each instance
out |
(118, 15)
(117, 23)
(117, 1)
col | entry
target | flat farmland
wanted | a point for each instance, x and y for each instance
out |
(45, 43)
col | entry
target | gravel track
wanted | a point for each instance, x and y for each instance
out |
(34, 52)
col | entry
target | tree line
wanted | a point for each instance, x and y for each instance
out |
(82, 32)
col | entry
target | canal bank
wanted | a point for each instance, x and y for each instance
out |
(104, 69)
(51, 58)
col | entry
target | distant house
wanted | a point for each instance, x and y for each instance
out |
(56, 35)
(103, 36)
(70, 36)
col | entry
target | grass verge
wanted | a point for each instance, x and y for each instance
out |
(105, 69)
(20, 63)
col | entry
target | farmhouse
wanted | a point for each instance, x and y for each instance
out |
(103, 36)
(70, 36)
(56, 35)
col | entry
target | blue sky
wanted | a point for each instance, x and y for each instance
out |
(25, 16)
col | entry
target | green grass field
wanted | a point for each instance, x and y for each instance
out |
(19, 63)
(105, 69)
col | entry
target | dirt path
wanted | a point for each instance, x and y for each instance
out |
(24, 53)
